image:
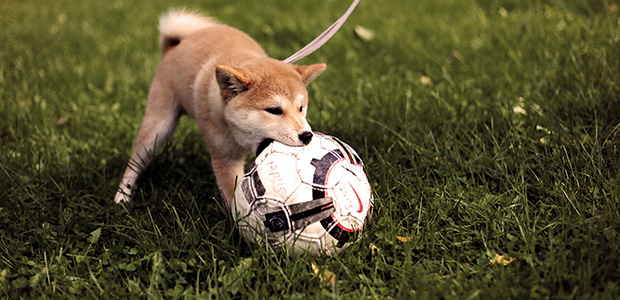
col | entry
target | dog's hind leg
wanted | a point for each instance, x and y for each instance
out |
(160, 120)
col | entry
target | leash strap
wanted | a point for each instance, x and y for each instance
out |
(323, 38)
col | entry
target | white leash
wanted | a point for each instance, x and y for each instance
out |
(323, 38)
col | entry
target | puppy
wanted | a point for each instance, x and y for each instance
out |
(223, 79)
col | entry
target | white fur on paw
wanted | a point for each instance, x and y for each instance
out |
(123, 195)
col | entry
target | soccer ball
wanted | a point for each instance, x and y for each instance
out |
(314, 198)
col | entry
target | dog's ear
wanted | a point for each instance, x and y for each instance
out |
(309, 73)
(232, 81)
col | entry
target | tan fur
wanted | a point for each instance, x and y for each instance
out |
(221, 77)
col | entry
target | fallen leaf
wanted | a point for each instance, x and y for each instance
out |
(519, 110)
(404, 239)
(62, 121)
(364, 33)
(95, 235)
(544, 139)
(456, 55)
(503, 12)
(327, 277)
(547, 131)
(501, 259)
(374, 249)
(425, 80)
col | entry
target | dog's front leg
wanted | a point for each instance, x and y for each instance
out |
(160, 120)
(228, 171)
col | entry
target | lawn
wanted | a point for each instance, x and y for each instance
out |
(490, 130)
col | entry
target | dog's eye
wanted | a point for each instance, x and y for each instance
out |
(274, 110)
(301, 109)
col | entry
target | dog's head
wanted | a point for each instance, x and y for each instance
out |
(267, 99)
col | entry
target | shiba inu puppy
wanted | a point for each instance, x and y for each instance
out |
(223, 79)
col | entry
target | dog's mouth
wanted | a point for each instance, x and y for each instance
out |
(264, 144)
(304, 139)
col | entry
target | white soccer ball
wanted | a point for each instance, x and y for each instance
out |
(314, 198)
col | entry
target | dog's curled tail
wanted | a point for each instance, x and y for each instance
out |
(177, 24)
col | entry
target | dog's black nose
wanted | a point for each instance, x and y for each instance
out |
(305, 137)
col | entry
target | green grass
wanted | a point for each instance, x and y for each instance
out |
(488, 127)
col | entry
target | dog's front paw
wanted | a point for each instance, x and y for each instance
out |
(123, 194)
